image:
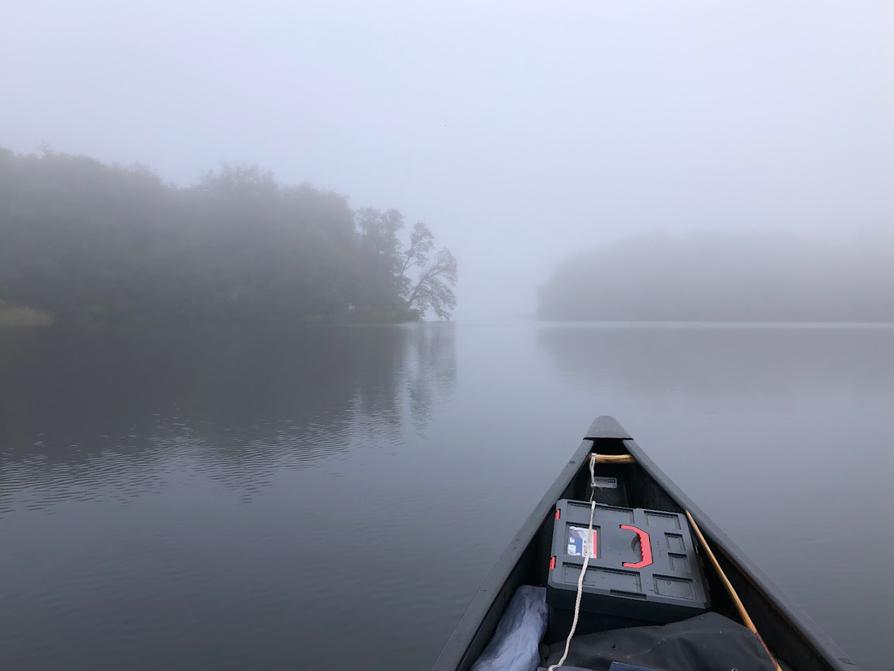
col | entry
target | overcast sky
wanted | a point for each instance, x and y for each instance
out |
(520, 131)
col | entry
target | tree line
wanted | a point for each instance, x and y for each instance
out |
(734, 276)
(88, 241)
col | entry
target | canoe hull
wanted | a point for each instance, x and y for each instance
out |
(787, 630)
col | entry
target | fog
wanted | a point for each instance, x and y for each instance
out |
(227, 442)
(520, 132)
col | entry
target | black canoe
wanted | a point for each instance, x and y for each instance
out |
(790, 634)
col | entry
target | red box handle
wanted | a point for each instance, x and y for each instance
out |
(645, 547)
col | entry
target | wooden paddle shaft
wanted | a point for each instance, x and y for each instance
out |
(743, 613)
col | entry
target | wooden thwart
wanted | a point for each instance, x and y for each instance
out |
(615, 459)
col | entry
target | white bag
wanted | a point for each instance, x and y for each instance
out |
(516, 640)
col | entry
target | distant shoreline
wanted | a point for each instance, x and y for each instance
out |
(23, 317)
(710, 323)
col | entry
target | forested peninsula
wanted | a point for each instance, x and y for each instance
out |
(83, 240)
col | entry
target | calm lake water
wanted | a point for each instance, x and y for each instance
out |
(329, 497)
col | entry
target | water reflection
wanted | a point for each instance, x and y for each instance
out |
(232, 498)
(726, 361)
(112, 413)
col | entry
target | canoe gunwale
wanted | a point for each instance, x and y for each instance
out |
(723, 545)
(456, 649)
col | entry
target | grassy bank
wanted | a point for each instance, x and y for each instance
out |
(13, 316)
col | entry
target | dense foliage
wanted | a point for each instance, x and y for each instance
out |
(84, 240)
(745, 276)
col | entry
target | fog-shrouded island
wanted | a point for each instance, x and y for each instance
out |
(744, 276)
(80, 240)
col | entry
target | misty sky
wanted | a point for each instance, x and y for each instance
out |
(519, 131)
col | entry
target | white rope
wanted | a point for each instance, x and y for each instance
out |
(583, 569)
(592, 476)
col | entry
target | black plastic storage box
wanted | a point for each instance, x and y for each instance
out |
(645, 568)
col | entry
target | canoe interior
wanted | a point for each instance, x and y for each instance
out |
(792, 637)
